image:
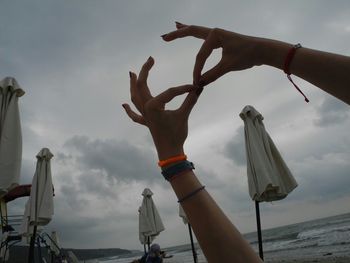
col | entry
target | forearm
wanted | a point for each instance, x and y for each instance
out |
(330, 72)
(218, 238)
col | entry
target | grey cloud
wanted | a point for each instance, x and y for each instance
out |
(27, 170)
(235, 149)
(331, 112)
(323, 179)
(71, 196)
(118, 159)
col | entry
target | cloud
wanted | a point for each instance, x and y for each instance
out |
(117, 159)
(73, 58)
(332, 112)
(235, 148)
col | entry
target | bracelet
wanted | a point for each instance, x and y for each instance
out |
(191, 194)
(171, 160)
(286, 67)
(173, 171)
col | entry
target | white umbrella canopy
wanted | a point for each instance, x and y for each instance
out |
(269, 178)
(143, 226)
(182, 214)
(10, 135)
(150, 223)
(55, 246)
(39, 207)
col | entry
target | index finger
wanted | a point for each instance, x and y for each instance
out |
(186, 31)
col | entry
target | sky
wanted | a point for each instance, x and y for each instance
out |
(72, 59)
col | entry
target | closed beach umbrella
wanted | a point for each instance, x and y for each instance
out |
(183, 215)
(10, 135)
(150, 223)
(143, 225)
(39, 207)
(55, 246)
(269, 178)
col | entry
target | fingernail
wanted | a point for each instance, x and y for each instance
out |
(163, 36)
(178, 23)
(130, 74)
(123, 106)
(150, 57)
(199, 91)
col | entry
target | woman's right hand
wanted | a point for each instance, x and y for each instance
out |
(239, 52)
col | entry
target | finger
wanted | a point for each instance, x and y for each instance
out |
(213, 74)
(135, 96)
(142, 79)
(171, 93)
(189, 103)
(133, 115)
(186, 31)
(206, 49)
(179, 25)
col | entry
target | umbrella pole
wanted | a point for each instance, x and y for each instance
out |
(192, 244)
(39, 251)
(144, 248)
(257, 210)
(148, 243)
(31, 248)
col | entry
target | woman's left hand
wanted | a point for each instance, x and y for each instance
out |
(169, 128)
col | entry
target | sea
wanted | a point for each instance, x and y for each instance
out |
(311, 239)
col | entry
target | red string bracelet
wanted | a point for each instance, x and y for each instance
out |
(286, 69)
(171, 160)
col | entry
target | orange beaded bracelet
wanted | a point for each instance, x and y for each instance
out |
(171, 160)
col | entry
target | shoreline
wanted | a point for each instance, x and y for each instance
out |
(324, 259)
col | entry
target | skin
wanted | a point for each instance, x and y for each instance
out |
(217, 236)
(327, 71)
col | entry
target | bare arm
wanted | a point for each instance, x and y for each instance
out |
(330, 72)
(217, 236)
(219, 239)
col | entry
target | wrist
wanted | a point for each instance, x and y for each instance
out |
(271, 52)
(164, 154)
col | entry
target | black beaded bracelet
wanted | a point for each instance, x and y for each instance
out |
(191, 194)
(175, 169)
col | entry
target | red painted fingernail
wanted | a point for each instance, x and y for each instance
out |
(178, 23)
(130, 74)
(123, 106)
(163, 36)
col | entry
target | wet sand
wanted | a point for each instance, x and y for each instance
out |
(325, 259)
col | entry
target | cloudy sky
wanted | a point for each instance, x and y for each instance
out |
(72, 59)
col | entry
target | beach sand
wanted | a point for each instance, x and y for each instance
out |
(324, 259)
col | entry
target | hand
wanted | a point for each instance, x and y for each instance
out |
(169, 128)
(238, 51)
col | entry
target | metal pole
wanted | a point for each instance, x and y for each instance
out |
(31, 248)
(148, 243)
(257, 210)
(39, 250)
(192, 244)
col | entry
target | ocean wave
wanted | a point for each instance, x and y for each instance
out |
(317, 233)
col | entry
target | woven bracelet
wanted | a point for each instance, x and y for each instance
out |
(171, 171)
(286, 67)
(191, 194)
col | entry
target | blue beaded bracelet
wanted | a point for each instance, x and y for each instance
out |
(175, 169)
